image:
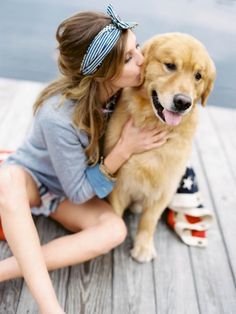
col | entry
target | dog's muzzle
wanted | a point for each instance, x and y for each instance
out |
(171, 117)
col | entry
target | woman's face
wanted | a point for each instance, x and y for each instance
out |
(131, 73)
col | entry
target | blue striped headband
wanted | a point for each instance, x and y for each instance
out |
(103, 42)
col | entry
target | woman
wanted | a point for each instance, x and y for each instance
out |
(58, 170)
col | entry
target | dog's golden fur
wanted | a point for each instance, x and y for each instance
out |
(172, 64)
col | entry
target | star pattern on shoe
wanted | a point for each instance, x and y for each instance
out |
(187, 183)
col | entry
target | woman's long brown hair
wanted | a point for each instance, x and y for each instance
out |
(74, 35)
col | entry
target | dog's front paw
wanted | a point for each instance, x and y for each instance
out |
(143, 252)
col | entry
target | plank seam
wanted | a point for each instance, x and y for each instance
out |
(194, 279)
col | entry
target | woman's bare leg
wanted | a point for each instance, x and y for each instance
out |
(97, 229)
(103, 230)
(23, 239)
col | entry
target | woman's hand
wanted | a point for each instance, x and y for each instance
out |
(135, 140)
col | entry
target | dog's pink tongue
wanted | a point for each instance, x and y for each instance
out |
(172, 118)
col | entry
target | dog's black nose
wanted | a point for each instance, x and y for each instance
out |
(182, 102)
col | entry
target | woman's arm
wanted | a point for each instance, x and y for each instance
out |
(133, 140)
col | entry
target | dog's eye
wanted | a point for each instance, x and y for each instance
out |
(198, 76)
(171, 66)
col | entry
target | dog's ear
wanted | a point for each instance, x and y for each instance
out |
(145, 47)
(209, 82)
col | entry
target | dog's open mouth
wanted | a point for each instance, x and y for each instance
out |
(167, 116)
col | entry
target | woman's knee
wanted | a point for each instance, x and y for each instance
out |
(12, 186)
(115, 229)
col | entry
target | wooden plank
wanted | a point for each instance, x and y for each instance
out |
(9, 290)
(89, 287)
(174, 280)
(133, 285)
(15, 120)
(7, 94)
(213, 276)
(221, 181)
(224, 122)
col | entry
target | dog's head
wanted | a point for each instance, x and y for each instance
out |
(177, 72)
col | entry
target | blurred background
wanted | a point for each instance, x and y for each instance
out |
(28, 45)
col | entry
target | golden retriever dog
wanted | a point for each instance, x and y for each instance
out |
(177, 73)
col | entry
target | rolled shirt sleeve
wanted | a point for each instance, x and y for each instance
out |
(100, 183)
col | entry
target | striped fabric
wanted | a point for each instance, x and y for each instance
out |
(4, 153)
(103, 42)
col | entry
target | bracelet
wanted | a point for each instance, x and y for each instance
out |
(105, 171)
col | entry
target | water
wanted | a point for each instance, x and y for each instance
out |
(27, 28)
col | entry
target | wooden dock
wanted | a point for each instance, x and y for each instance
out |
(182, 280)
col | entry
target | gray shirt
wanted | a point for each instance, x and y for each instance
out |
(54, 152)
